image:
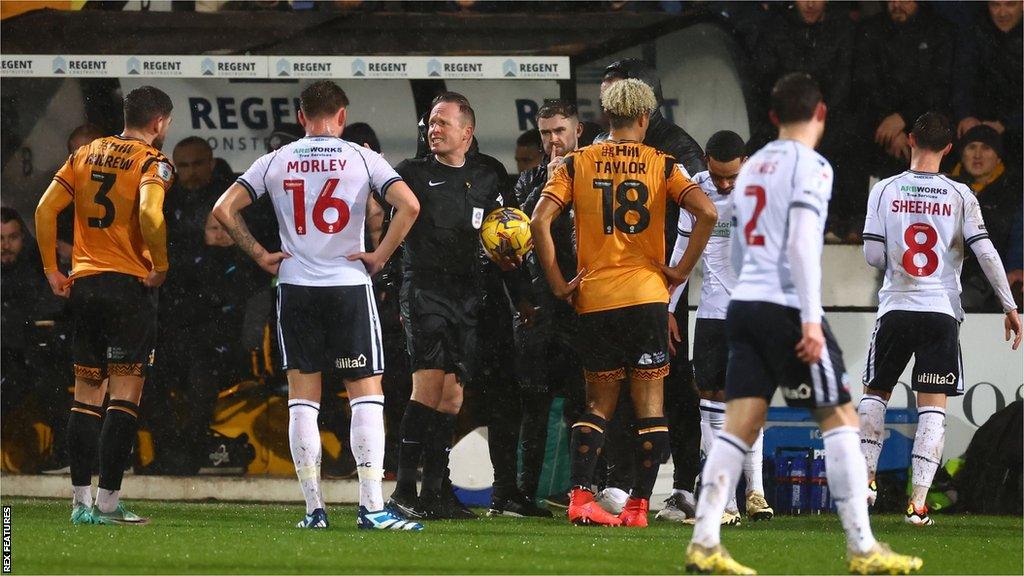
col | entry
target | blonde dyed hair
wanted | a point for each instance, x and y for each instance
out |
(627, 100)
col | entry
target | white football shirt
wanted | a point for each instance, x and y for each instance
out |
(784, 174)
(719, 277)
(319, 186)
(926, 222)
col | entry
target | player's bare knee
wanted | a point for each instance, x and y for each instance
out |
(369, 386)
(90, 390)
(745, 416)
(931, 399)
(883, 394)
(830, 417)
(126, 388)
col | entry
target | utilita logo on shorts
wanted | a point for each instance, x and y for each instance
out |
(357, 362)
(928, 378)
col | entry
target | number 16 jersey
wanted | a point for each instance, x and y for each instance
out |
(319, 186)
(925, 221)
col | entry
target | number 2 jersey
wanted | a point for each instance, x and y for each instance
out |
(783, 176)
(104, 178)
(925, 221)
(619, 192)
(319, 186)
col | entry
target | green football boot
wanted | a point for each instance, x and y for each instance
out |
(119, 516)
(81, 514)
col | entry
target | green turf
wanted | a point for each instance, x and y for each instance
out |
(258, 538)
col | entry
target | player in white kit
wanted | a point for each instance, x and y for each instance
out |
(918, 226)
(778, 339)
(326, 312)
(725, 154)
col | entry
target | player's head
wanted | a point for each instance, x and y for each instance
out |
(725, 155)
(560, 128)
(632, 68)
(810, 11)
(901, 10)
(12, 235)
(1005, 14)
(931, 134)
(284, 134)
(194, 163)
(362, 134)
(796, 100)
(83, 135)
(981, 151)
(148, 110)
(529, 150)
(451, 123)
(323, 102)
(628, 105)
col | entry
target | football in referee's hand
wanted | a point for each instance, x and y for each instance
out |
(505, 233)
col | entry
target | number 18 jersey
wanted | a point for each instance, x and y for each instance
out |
(319, 186)
(925, 221)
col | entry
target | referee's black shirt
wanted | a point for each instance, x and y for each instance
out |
(444, 241)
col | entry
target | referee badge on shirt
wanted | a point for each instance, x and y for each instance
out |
(478, 217)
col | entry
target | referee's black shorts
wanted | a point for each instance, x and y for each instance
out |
(440, 321)
(762, 357)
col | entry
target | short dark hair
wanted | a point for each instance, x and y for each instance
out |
(194, 141)
(530, 138)
(143, 104)
(361, 133)
(552, 108)
(726, 146)
(932, 132)
(635, 68)
(88, 129)
(795, 97)
(322, 98)
(455, 98)
(8, 214)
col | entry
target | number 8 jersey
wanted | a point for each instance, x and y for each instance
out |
(926, 221)
(618, 191)
(319, 186)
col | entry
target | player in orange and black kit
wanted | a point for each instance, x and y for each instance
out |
(117, 184)
(619, 191)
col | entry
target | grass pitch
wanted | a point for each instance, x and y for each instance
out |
(259, 538)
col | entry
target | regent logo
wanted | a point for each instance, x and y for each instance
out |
(207, 67)
(386, 67)
(358, 67)
(72, 66)
(433, 67)
(357, 362)
(17, 65)
(463, 67)
(284, 67)
(929, 378)
(509, 68)
(134, 66)
(236, 66)
(801, 392)
(60, 66)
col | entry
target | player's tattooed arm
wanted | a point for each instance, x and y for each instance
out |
(228, 212)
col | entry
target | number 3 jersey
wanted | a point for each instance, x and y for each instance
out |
(319, 186)
(785, 175)
(104, 178)
(926, 221)
(619, 192)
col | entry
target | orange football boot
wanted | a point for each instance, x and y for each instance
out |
(583, 510)
(634, 514)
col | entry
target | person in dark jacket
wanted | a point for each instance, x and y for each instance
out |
(990, 87)
(681, 400)
(549, 365)
(998, 189)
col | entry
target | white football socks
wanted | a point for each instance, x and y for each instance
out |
(304, 439)
(712, 418)
(848, 481)
(81, 496)
(871, 411)
(718, 486)
(367, 441)
(753, 465)
(107, 500)
(927, 453)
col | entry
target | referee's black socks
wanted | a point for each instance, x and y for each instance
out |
(585, 445)
(436, 452)
(651, 448)
(116, 439)
(415, 430)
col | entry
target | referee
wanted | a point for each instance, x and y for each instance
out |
(441, 299)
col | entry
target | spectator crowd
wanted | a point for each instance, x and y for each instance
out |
(880, 65)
